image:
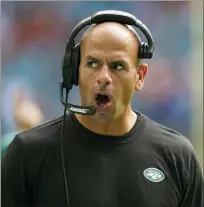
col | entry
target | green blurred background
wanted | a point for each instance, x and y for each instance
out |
(33, 43)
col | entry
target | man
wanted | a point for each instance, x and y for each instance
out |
(115, 158)
(27, 115)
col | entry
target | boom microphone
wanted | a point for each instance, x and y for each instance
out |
(86, 110)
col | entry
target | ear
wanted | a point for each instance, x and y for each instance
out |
(141, 74)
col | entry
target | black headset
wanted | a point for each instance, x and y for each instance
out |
(70, 69)
(71, 61)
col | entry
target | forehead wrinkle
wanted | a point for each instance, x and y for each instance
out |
(117, 55)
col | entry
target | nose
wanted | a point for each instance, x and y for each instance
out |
(104, 76)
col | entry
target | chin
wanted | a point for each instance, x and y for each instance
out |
(102, 117)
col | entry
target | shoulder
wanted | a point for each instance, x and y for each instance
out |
(40, 139)
(165, 137)
(45, 133)
(33, 147)
(36, 140)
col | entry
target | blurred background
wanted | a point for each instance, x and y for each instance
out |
(33, 37)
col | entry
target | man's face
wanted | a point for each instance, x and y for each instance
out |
(108, 72)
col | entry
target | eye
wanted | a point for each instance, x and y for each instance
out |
(92, 64)
(117, 66)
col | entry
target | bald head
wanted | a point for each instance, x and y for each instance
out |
(113, 35)
(113, 24)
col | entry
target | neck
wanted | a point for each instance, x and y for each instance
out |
(119, 126)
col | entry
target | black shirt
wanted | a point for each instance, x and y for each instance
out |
(150, 166)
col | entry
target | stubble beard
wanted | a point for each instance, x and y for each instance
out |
(102, 118)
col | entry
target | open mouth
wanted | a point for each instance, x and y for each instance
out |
(102, 100)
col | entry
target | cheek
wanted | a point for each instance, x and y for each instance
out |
(82, 77)
(85, 83)
(127, 89)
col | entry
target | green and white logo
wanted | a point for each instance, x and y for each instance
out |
(154, 174)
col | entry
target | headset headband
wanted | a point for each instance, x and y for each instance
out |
(114, 16)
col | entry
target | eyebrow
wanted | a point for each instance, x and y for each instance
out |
(89, 57)
(120, 61)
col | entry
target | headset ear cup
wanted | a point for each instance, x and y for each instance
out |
(67, 64)
(140, 52)
(144, 51)
(75, 64)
